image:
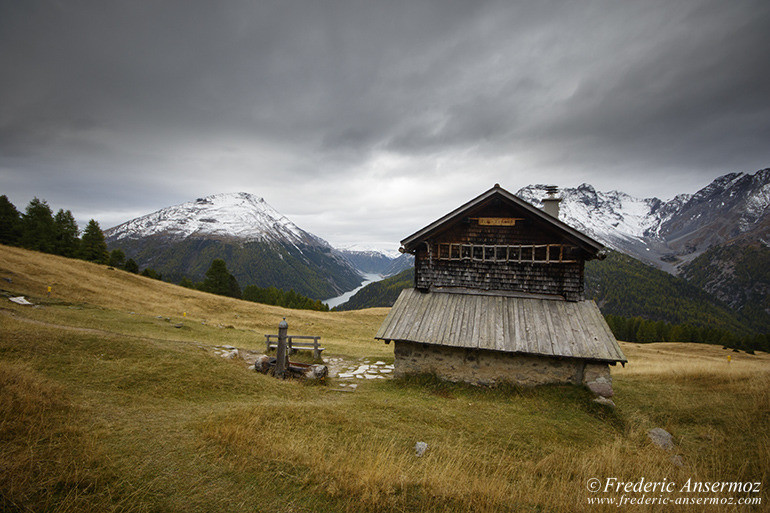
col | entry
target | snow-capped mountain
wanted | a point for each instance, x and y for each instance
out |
(260, 246)
(667, 233)
(240, 216)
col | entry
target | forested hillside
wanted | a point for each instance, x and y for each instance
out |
(381, 293)
(308, 270)
(739, 275)
(626, 287)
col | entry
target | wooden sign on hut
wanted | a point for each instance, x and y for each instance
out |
(499, 297)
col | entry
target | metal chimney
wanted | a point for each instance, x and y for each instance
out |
(551, 201)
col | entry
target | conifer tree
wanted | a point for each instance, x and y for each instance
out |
(117, 258)
(38, 231)
(66, 240)
(220, 281)
(10, 222)
(187, 283)
(131, 266)
(92, 246)
(151, 273)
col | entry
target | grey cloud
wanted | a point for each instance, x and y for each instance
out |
(148, 103)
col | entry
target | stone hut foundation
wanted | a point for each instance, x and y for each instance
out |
(488, 367)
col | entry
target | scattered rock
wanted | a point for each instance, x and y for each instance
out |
(263, 363)
(601, 388)
(317, 372)
(179, 325)
(677, 460)
(20, 300)
(605, 401)
(420, 448)
(661, 438)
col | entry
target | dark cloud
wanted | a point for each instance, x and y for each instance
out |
(114, 108)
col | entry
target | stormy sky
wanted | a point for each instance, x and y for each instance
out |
(364, 121)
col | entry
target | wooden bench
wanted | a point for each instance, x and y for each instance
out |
(293, 347)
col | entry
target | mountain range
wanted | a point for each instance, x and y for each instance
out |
(669, 234)
(716, 239)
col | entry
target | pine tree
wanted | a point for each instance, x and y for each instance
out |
(66, 242)
(131, 266)
(10, 222)
(92, 246)
(117, 258)
(220, 281)
(646, 332)
(38, 231)
(151, 273)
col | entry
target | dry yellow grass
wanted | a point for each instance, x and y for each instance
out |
(106, 407)
(77, 282)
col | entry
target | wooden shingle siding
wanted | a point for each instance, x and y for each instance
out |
(564, 279)
(509, 324)
(478, 266)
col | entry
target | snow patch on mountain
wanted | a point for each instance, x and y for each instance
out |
(665, 233)
(229, 215)
(612, 217)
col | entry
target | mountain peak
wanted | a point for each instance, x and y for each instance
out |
(665, 233)
(237, 215)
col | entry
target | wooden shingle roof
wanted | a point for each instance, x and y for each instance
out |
(510, 324)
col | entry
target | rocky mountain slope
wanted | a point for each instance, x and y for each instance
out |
(668, 234)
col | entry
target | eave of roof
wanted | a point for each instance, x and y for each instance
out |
(590, 245)
(543, 327)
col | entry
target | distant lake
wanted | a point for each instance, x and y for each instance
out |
(368, 278)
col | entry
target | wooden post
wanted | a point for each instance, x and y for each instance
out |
(316, 352)
(282, 360)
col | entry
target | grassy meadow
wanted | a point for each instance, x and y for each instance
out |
(107, 405)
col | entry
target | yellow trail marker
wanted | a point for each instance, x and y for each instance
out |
(184, 314)
(729, 358)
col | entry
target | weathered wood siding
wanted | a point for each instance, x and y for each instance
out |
(558, 278)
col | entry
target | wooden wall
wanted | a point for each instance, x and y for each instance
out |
(560, 278)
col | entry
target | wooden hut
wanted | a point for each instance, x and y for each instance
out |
(499, 296)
